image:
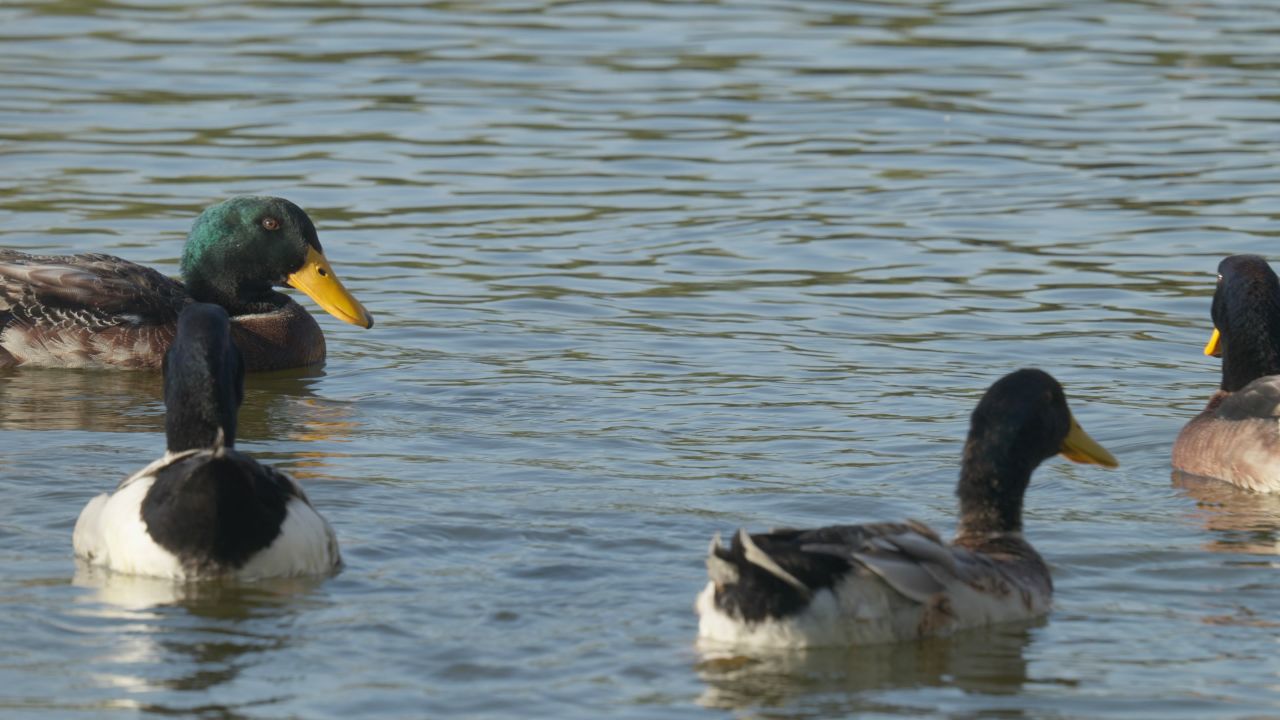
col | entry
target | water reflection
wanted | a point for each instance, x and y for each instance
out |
(987, 661)
(1241, 521)
(63, 399)
(277, 406)
(168, 636)
(225, 600)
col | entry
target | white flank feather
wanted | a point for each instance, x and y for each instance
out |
(306, 546)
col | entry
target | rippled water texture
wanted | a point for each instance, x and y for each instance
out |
(645, 271)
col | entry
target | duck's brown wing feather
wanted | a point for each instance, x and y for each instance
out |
(104, 288)
(85, 310)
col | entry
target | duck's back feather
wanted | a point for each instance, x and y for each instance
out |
(107, 285)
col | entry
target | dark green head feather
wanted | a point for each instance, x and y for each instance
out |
(238, 250)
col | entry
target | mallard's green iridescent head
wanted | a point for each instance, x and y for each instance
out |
(240, 249)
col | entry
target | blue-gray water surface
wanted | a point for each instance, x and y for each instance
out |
(644, 271)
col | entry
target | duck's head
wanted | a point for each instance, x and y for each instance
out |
(238, 250)
(1246, 321)
(203, 381)
(1021, 421)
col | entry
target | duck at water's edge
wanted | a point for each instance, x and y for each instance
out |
(205, 510)
(886, 582)
(104, 311)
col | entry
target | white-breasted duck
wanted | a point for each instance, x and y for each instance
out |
(205, 510)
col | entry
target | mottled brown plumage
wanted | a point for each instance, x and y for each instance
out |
(103, 311)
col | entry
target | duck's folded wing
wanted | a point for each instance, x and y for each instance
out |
(777, 573)
(85, 291)
(1259, 399)
(909, 557)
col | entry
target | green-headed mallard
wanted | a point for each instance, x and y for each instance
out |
(103, 311)
(205, 510)
(886, 582)
(1236, 437)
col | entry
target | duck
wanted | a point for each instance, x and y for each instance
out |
(205, 510)
(102, 311)
(883, 582)
(1236, 438)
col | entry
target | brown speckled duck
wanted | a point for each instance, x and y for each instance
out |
(1236, 437)
(103, 311)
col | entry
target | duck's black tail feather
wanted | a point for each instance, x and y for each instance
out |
(769, 575)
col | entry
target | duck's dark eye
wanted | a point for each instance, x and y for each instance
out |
(322, 272)
(270, 223)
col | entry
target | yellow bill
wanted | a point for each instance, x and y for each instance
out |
(1079, 447)
(317, 280)
(1214, 347)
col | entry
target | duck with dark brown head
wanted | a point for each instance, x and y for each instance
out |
(887, 582)
(1236, 438)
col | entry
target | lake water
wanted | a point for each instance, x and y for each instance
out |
(642, 272)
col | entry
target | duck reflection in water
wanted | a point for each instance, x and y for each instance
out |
(159, 640)
(1240, 521)
(983, 661)
(279, 406)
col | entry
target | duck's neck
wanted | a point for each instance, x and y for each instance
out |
(200, 409)
(992, 484)
(238, 296)
(1252, 349)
